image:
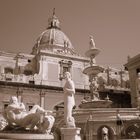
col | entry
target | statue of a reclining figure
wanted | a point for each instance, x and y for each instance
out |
(16, 115)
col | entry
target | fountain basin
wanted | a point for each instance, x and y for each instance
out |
(93, 70)
(92, 52)
(96, 104)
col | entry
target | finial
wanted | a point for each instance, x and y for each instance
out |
(53, 11)
(92, 43)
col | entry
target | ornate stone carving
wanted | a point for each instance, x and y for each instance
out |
(105, 133)
(37, 118)
(3, 123)
(92, 42)
(94, 89)
(64, 66)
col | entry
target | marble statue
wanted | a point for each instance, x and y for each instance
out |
(69, 101)
(47, 123)
(138, 83)
(114, 79)
(94, 89)
(105, 133)
(102, 80)
(92, 42)
(37, 117)
(3, 123)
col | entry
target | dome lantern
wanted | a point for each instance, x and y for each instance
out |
(53, 22)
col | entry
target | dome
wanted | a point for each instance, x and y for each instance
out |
(53, 39)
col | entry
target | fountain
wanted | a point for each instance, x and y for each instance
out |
(92, 71)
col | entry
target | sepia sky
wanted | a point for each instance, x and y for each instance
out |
(114, 24)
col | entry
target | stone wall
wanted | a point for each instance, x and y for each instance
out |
(32, 95)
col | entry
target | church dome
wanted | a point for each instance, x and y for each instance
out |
(53, 39)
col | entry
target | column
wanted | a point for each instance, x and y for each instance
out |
(108, 78)
(19, 95)
(40, 67)
(134, 94)
(42, 99)
(70, 133)
(121, 75)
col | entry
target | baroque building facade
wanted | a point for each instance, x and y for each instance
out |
(37, 78)
(133, 66)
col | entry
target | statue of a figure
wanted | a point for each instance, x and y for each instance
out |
(105, 133)
(94, 89)
(138, 83)
(102, 80)
(114, 79)
(69, 101)
(16, 115)
(92, 43)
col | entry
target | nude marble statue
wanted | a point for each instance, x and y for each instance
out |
(69, 101)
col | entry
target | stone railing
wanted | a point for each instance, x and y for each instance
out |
(21, 78)
(112, 80)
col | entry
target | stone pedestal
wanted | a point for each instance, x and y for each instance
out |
(70, 133)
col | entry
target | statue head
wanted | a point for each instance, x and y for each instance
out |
(13, 99)
(67, 75)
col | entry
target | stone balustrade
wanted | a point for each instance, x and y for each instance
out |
(21, 78)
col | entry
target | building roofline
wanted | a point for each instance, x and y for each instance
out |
(132, 61)
(67, 56)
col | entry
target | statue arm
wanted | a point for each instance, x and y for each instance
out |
(9, 115)
(21, 107)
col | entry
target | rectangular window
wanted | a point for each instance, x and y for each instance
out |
(65, 66)
(8, 70)
(5, 104)
(65, 69)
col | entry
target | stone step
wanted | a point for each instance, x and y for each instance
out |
(24, 136)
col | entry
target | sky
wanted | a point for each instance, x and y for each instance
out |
(114, 25)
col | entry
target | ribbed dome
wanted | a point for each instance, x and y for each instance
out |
(53, 39)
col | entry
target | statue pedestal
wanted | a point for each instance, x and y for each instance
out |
(70, 133)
